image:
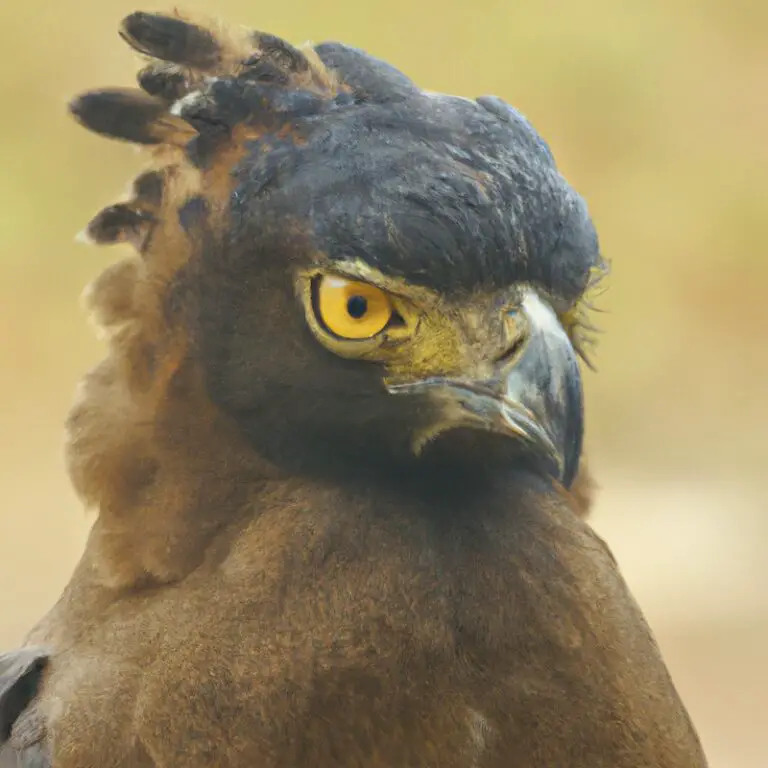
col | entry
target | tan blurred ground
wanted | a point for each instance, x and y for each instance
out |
(657, 112)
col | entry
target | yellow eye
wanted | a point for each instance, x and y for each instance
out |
(350, 309)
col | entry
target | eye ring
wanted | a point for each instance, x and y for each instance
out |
(351, 310)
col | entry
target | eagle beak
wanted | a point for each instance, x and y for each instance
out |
(534, 396)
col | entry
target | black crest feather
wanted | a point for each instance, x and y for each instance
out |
(119, 223)
(171, 39)
(130, 115)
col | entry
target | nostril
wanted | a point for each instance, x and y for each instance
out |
(512, 351)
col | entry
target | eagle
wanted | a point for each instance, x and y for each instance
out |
(335, 446)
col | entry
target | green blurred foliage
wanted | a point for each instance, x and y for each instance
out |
(657, 113)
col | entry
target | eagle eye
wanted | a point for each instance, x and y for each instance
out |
(350, 309)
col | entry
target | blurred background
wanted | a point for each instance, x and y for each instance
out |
(657, 113)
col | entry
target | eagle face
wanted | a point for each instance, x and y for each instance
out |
(379, 278)
(395, 278)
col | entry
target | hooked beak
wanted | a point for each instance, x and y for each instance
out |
(535, 396)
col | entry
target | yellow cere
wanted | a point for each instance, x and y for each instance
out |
(351, 309)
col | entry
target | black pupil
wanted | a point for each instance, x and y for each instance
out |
(357, 306)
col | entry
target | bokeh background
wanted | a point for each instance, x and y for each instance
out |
(657, 113)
